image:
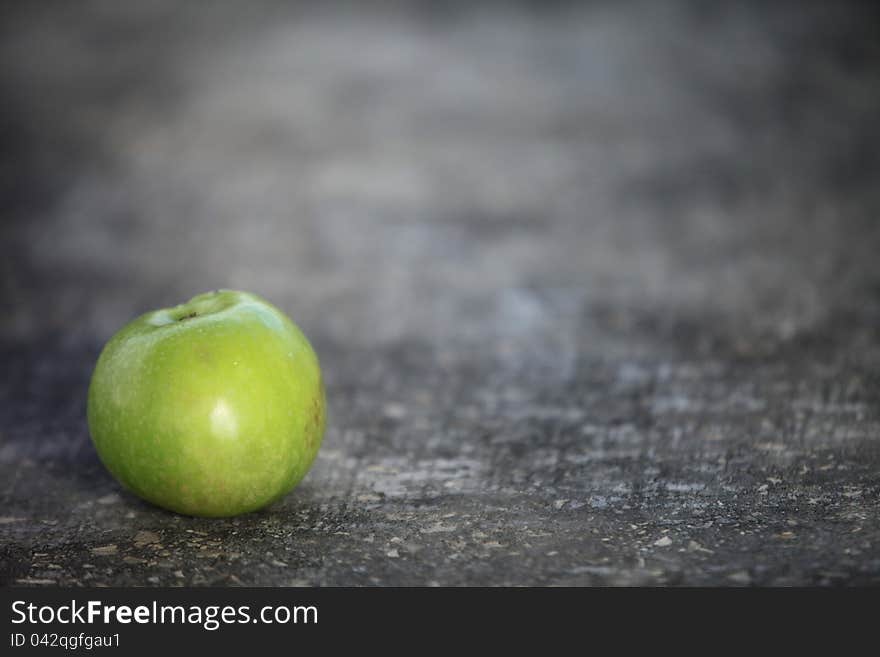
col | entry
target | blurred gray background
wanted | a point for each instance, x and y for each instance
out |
(595, 286)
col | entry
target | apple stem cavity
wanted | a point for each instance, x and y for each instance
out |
(199, 306)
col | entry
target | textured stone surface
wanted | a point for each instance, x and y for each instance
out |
(595, 289)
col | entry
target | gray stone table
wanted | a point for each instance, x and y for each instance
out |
(596, 288)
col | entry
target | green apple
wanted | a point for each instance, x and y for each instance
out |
(212, 408)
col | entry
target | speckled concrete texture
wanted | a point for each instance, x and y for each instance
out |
(595, 287)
